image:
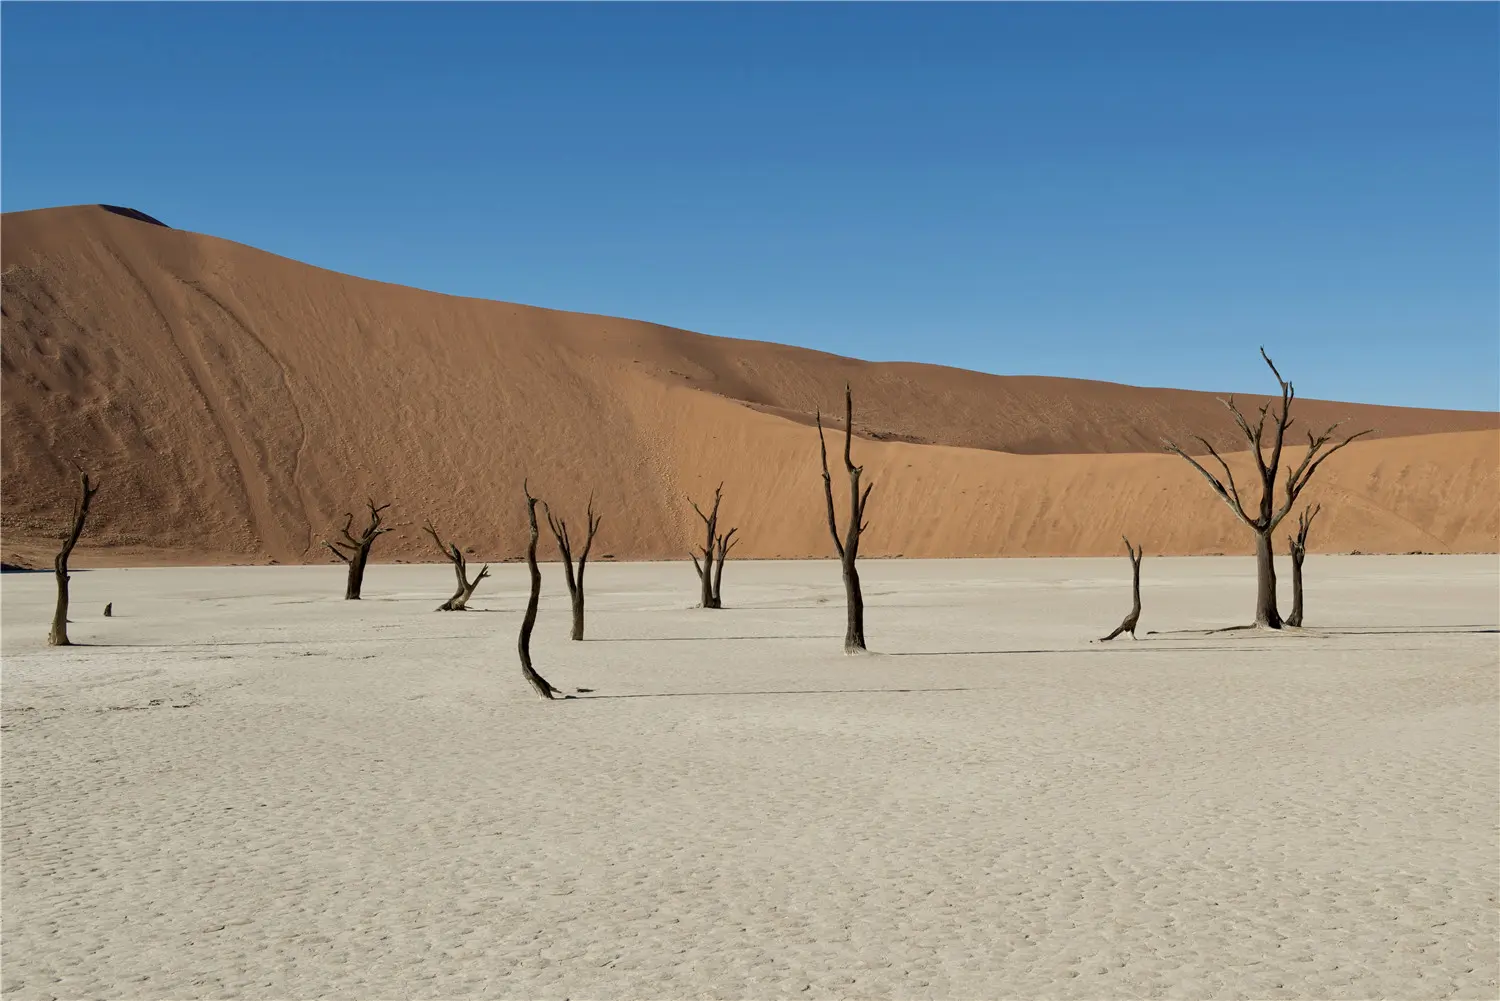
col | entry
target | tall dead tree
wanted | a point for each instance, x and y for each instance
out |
(355, 551)
(59, 634)
(523, 643)
(708, 599)
(1298, 546)
(460, 600)
(848, 547)
(559, 528)
(722, 545)
(1134, 618)
(1263, 519)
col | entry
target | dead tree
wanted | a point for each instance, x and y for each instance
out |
(356, 551)
(722, 545)
(709, 597)
(1134, 618)
(459, 601)
(59, 634)
(1263, 518)
(848, 547)
(1298, 546)
(559, 528)
(523, 643)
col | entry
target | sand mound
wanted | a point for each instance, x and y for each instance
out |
(236, 403)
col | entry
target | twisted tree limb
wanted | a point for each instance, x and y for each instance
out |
(459, 601)
(58, 636)
(523, 642)
(1134, 618)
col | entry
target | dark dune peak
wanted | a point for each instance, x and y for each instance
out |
(135, 214)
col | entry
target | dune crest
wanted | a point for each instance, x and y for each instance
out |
(236, 403)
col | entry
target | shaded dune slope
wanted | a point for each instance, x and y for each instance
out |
(236, 403)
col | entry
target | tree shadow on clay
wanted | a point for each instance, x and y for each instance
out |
(707, 639)
(831, 691)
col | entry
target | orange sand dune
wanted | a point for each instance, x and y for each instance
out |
(236, 403)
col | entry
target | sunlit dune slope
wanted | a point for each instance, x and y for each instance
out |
(236, 403)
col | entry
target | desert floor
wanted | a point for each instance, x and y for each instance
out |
(247, 787)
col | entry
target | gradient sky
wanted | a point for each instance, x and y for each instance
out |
(1139, 193)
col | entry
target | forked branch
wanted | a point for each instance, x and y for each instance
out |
(451, 552)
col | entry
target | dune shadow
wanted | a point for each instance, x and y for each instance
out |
(135, 214)
(831, 691)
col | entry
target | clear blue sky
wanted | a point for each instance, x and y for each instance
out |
(1139, 193)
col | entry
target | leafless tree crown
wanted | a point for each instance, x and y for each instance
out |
(714, 551)
(1266, 515)
(355, 550)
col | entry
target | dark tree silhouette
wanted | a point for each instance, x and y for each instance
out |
(559, 528)
(1298, 546)
(523, 642)
(708, 598)
(1134, 618)
(1267, 515)
(356, 551)
(848, 547)
(59, 634)
(460, 600)
(722, 545)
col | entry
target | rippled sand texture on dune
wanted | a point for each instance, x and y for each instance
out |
(246, 787)
(237, 404)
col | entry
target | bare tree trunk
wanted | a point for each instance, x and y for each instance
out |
(523, 643)
(1134, 618)
(1265, 582)
(848, 548)
(559, 528)
(854, 628)
(1297, 544)
(722, 546)
(1295, 619)
(59, 633)
(709, 596)
(1267, 514)
(356, 574)
(355, 551)
(460, 600)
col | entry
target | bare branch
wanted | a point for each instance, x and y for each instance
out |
(848, 428)
(427, 527)
(833, 524)
(1297, 481)
(1175, 449)
(1233, 493)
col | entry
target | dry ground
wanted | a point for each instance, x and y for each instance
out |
(250, 788)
